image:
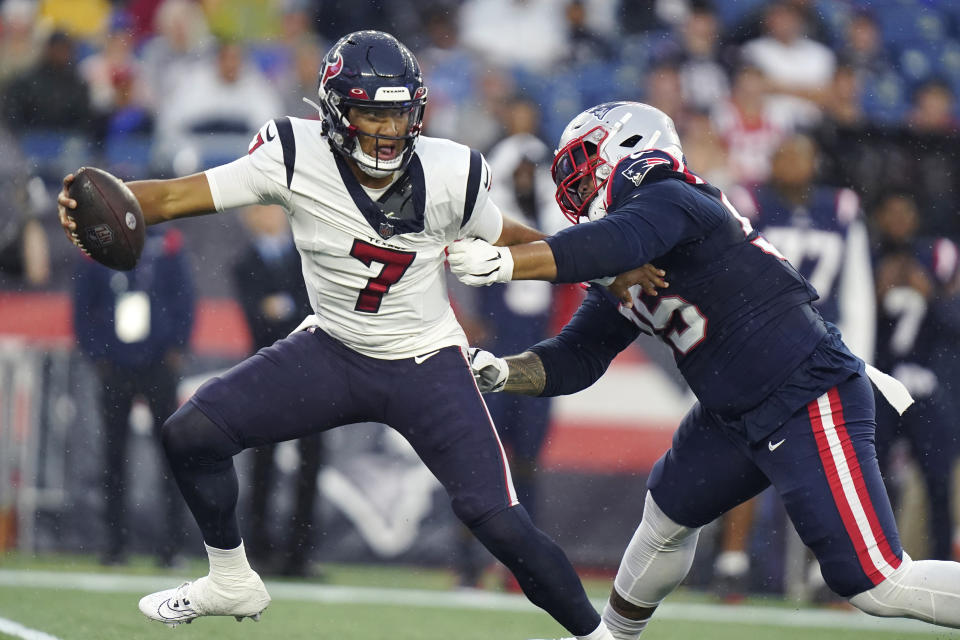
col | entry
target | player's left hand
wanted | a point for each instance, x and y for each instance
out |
(648, 277)
(489, 371)
(478, 263)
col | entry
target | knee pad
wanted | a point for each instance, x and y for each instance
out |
(657, 558)
(189, 436)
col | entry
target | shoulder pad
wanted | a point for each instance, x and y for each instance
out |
(647, 167)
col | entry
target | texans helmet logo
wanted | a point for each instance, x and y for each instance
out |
(332, 69)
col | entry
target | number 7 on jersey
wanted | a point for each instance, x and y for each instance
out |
(395, 264)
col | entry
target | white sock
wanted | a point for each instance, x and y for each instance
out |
(228, 564)
(622, 628)
(600, 633)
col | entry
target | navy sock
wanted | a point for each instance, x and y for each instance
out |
(540, 566)
(201, 460)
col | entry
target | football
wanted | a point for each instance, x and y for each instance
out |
(110, 226)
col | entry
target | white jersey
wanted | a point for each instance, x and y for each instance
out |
(373, 269)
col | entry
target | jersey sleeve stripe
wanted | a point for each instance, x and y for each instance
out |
(289, 145)
(473, 186)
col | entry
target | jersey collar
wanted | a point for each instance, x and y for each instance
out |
(409, 190)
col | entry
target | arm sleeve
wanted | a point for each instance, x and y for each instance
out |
(481, 216)
(637, 232)
(260, 177)
(577, 357)
(858, 313)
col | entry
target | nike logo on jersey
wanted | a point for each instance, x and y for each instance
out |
(425, 357)
(270, 137)
(773, 447)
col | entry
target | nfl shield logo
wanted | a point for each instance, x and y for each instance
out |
(386, 230)
(100, 235)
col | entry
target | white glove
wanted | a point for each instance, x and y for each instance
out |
(489, 371)
(476, 262)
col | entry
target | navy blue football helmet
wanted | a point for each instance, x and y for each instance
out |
(371, 70)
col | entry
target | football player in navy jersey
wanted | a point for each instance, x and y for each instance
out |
(916, 329)
(781, 400)
(372, 206)
(819, 229)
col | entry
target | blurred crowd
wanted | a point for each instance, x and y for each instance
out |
(159, 88)
(168, 87)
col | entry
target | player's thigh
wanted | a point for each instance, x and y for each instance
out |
(443, 416)
(826, 473)
(706, 472)
(298, 386)
(888, 429)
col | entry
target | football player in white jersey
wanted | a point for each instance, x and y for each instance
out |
(373, 207)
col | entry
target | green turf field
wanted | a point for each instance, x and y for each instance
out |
(72, 598)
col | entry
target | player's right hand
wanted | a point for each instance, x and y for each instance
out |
(65, 204)
(648, 277)
(489, 371)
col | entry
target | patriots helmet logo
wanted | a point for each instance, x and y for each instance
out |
(602, 110)
(640, 166)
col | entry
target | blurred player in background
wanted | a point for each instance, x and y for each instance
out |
(269, 283)
(917, 328)
(781, 400)
(372, 210)
(134, 327)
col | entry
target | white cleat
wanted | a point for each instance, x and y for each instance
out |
(204, 597)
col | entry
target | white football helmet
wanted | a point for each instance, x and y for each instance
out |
(595, 141)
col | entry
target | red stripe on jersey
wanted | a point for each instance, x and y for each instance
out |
(839, 498)
(836, 407)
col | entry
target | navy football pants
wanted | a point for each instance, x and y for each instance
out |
(823, 464)
(309, 382)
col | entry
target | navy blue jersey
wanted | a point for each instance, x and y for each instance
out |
(737, 315)
(826, 240)
(811, 236)
(916, 323)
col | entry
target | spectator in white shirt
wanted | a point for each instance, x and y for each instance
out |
(214, 111)
(798, 68)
